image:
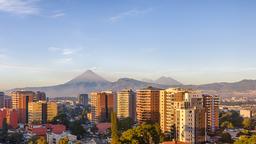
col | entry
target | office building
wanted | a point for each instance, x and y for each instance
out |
(147, 105)
(20, 100)
(1, 99)
(11, 116)
(246, 113)
(126, 104)
(190, 117)
(102, 104)
(211, 105)
(41, 112)
(83, 99)
(7, 102)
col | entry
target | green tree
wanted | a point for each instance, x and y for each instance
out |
(4, 127)
(247, 123)
(63, 140)
(41, 140)
(76, 128)
(61, 119)
(246, 140)
(146, 133)
(125, 124)
(114, 132)
(226, 138)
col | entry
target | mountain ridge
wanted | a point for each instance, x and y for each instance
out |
(90, 81)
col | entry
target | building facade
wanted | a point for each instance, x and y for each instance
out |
(211, 104)
(147, 105)
(11, 116)
(2, 99)
(83, 99)
(126, 104)
(102, 104)
(7, 101)
(20, 100)
(190, 118)
(41, 112)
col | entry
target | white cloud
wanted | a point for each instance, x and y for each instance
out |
(57, 14)
(21, 7)
(132, 12)
(66, 55)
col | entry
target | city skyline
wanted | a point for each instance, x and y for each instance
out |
(43, 43)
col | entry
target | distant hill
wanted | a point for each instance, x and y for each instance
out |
(90, 81)
(164, 81)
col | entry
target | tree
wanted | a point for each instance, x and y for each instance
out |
(246, 140)
(247, 123)
(5, 127)
(63, 140)
(227, 124)
(226, 138)
(61, 119)
(146, 133)
(114, 132)
(125, 124)
(76, 128)
(41, 140)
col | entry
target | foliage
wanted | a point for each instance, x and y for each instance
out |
(15, 138)
(125, 124)
(226, 138)
(246, 140)
(61, 119)
(4, 127)
(146, 133)
(232, 117)
(227, 124)
(76, 128)
(247, 123)
(63, 140)
(114, 132)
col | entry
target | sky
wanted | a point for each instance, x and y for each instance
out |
(48, 42)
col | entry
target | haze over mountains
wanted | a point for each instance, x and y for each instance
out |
(90, 81)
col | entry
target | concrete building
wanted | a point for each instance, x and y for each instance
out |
(83, 99)
(7, 102)
(102, 104)
(20, 100)
(190, 117)
(1, 99)
(147, 105)
(167, 110)
(245, 113)
(11, 116)
(211, 104)
(53, 138)
(126, 104)
(41, 112)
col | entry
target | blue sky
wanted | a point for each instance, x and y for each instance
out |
(46, 42)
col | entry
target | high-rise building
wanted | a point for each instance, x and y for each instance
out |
(7, 102)
(20, 100)
(102, 104)
(83, 99)
(1, 99)
(40, 96)
(147, 105)
(41, 112)
(11, 116)
(190, 118)
(167, 110)
(211, 105)
(126, 104)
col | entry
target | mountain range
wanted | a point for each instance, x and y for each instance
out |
(90, 81)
